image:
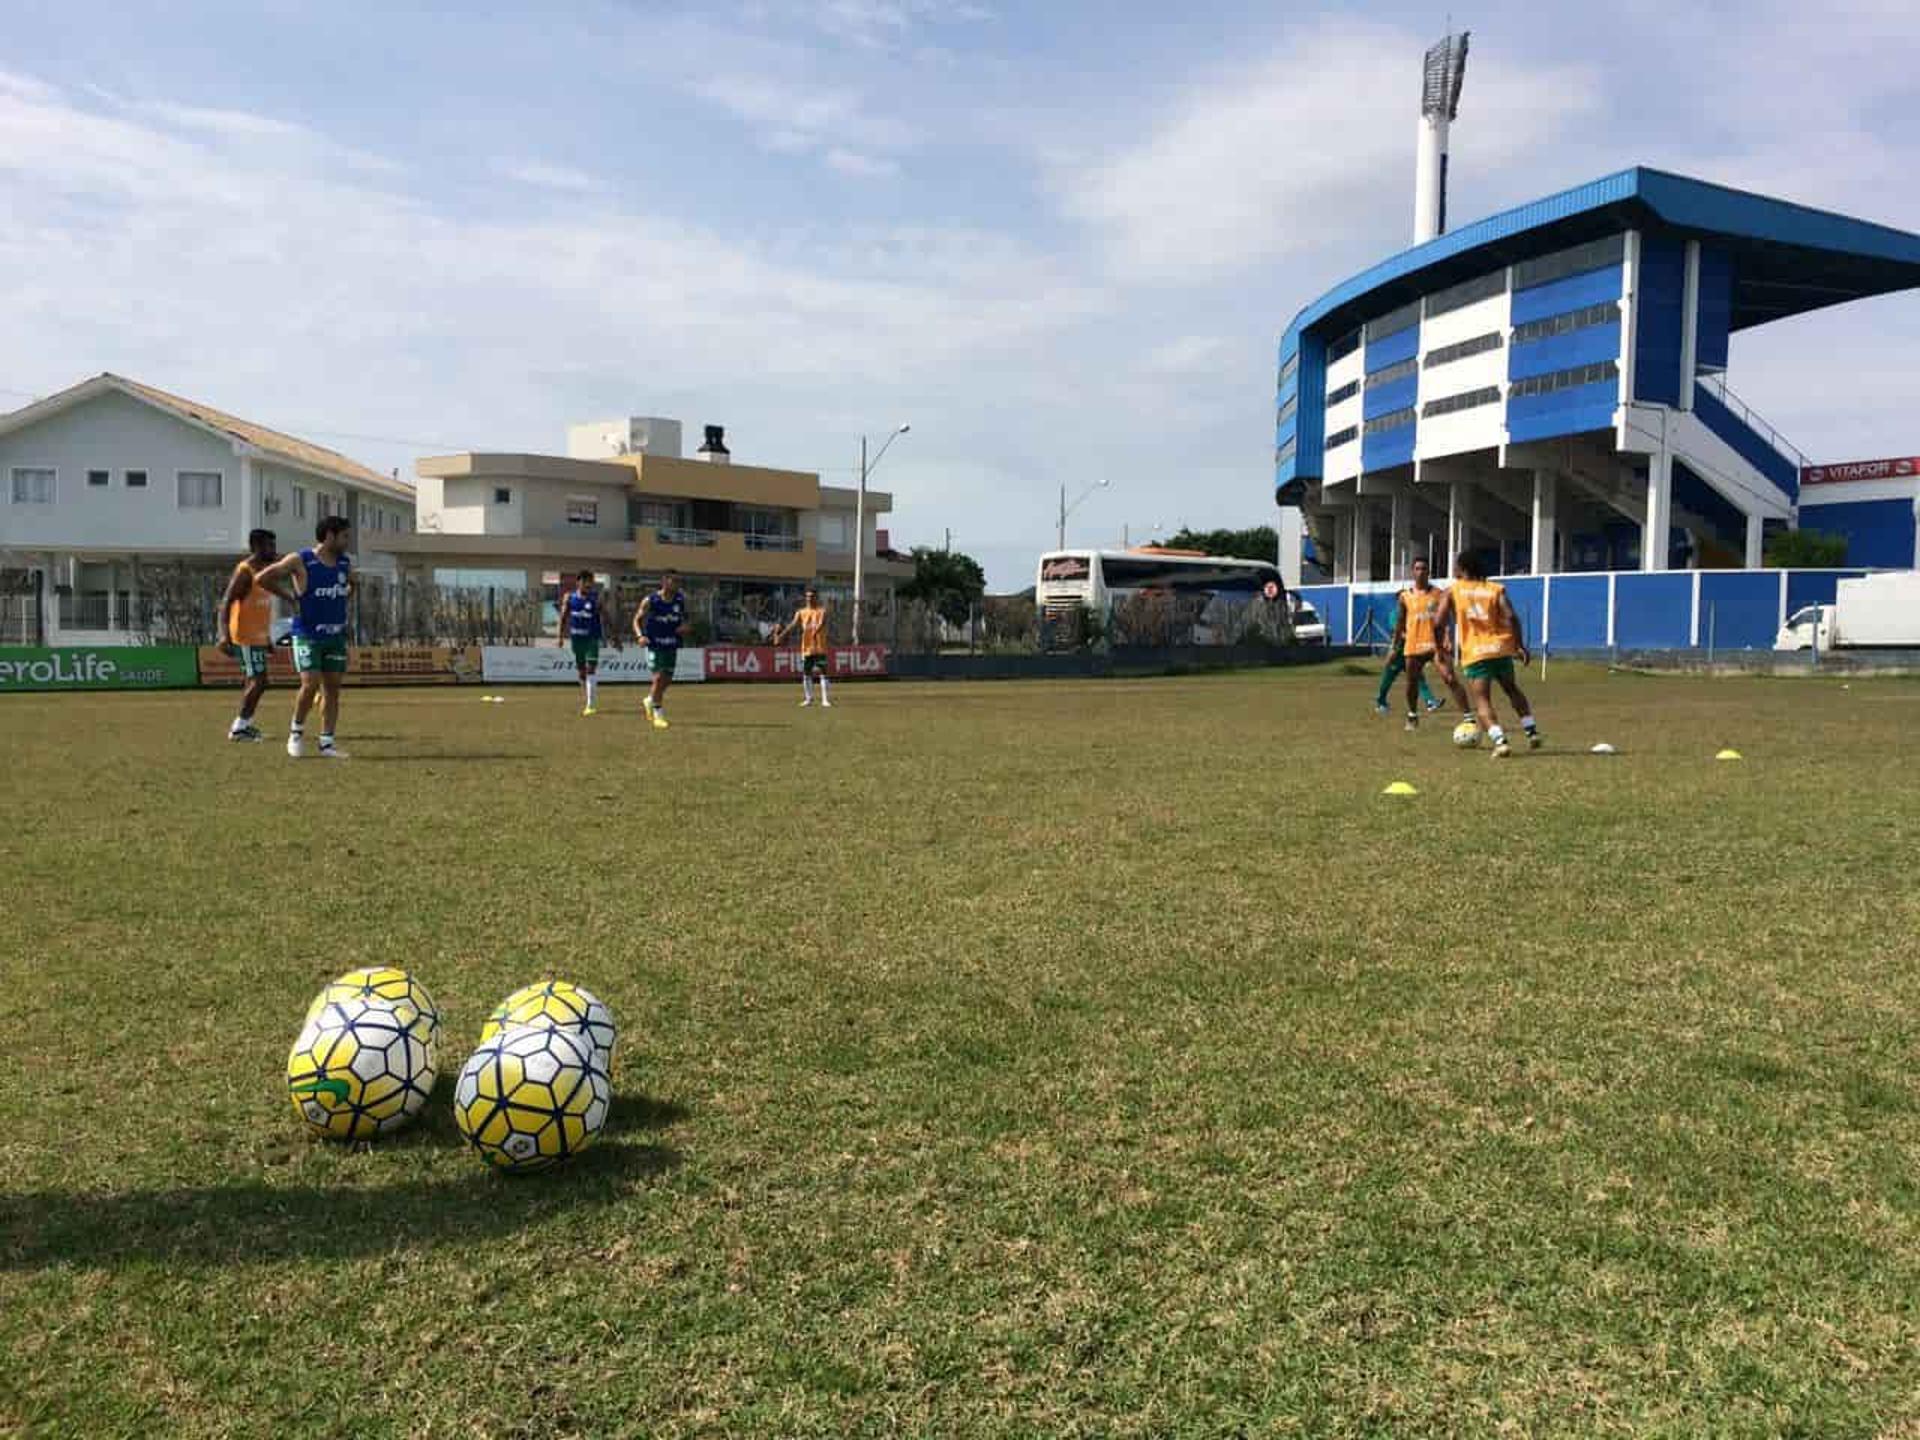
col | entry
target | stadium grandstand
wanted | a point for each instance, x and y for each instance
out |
(1548, 386)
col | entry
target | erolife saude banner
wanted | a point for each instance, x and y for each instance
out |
(98, 667)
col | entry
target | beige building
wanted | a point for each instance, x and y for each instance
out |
(744, 538)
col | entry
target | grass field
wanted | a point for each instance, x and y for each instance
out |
(1074, 1059)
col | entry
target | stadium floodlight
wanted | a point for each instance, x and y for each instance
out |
(1446, 71)
(1442, 75)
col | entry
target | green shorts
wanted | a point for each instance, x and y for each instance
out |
(661, 659)
(328, 656)
(586, 651)
(1499, 669)
(813, 664)
(253, 659)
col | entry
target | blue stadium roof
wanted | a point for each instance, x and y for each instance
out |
(1787, 258)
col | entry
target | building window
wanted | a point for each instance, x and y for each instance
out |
(1595, 255)
(1288, 369)
(136, 479)
(98, 478)
(1343, 437)
(1343, 347)
(199, 489)
(1392, 420)
(835, 532)
(1345, 392)
(1285, 452)
(502, 495)
(464, 579)
(1583, 319)
(1448, 404)
(1287, 407)
(1390, 373)
(658, 514)
(1468, 292)
(582, 511)
(32, 485)
(1566, 379)
(1393, 322)
(1460, 350)
(299, 502)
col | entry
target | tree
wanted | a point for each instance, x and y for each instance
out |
(1260, 543)
(1806, 550)
(947, 580)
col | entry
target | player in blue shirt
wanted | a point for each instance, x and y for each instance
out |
(583, 627)
(322, 580)
(661, 624)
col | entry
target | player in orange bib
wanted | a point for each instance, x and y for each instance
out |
(1490, 642)
(246, 629)
(1417, 636)
(811, 621)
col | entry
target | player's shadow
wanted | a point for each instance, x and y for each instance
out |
(255, 1220)
(437, 756)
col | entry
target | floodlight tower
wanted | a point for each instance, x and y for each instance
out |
(1445, 69)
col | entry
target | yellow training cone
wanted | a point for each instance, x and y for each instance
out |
(1729, 755)
(1399, 787)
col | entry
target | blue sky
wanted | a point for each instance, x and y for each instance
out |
(1059, 238)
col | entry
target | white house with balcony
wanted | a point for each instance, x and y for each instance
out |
(111, 478)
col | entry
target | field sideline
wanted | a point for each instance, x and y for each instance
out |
(1102, 1058)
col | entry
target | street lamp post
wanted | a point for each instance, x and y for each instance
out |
(1060, 538)
(860, 526)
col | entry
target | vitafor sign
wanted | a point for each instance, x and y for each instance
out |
(1902, 468)
(86, 667)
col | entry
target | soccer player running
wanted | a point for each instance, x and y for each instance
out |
(323, 581)
(246, 629)
(811, 621)
(1490, 642)
(1417, 632)
(583, 627)
(1396, 667)
(661, 624)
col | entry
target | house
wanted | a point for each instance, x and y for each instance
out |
(112, 480)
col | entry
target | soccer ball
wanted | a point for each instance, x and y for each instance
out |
(530, 1097)
(360, 1068)
(380, 982)
(565, 1006)
(1466, 734)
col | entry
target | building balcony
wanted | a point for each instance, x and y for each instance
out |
(723, 552)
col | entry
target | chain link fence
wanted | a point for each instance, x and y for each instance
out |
(1014, 625)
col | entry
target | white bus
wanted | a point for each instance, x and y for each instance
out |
(1100, 580)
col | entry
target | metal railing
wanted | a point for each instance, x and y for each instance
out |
(774, 542)
(676, 535)
(1716, 386)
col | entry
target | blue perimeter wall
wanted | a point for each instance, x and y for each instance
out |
(1629, 609)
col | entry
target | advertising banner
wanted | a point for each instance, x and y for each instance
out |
(763, 662)
(517, 664)
(1904, 468)
(98, 667)
(366, 665)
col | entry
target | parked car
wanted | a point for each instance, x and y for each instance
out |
(1873, 610)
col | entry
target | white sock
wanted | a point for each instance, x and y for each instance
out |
(1528, 724)
(326, 739)
(806, 685)
(240, 722)
(298, 727)
(593, 684)
(1497, 735)
(823, 689)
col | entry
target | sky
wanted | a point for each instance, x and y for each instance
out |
(1061, 239)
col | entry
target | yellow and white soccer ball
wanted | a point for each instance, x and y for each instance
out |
(1466, 734)
(384, 982)
(360, 1068)
(530, 1097)
(563, 1005)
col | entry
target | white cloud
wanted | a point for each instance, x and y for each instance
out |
(1249, 166)
(545, 176)
(803, 117)
(866, 167)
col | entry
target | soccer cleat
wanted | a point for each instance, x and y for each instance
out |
(247, 734)
(587, 710)
(295, 746)
(826, 704)
(1533, 740)
(1413, 723)
(1502, 750)
(333, 752)
(659, 720)
(1379, 708)
(806, 702)
(1434, 707)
